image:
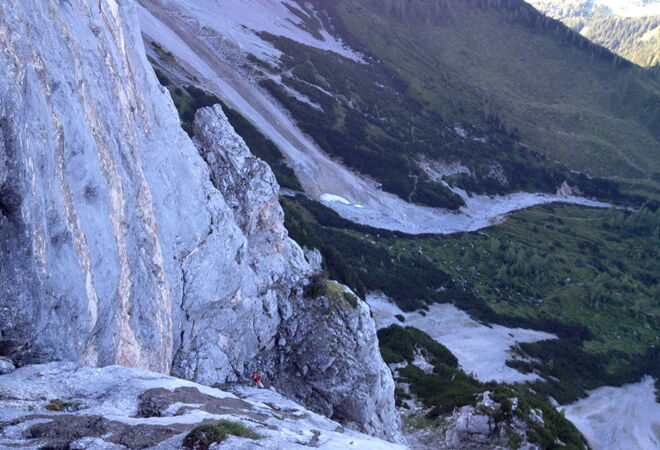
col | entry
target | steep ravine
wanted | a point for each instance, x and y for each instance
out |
(121, 242)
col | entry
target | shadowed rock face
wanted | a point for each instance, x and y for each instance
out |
(61, 431)
(329, 360)
(158, 402)
(122, 242)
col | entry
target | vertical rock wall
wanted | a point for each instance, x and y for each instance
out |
(114, 237)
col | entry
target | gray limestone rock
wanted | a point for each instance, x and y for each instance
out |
(234, 313)
(103, 196)
(322, 350)
(6, 366)
(469, 428)
(476, 427)
(151, 410)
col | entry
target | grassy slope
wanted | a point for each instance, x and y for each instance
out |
(575, 107)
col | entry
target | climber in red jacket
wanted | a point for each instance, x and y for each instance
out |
(257, 380)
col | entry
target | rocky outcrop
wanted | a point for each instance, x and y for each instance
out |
(475, 427)
(233, 315)
(329, 359)
(6, 366)
(469, 428)
(121, 408)
(122, 242)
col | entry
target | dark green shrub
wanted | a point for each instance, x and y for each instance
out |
(390, 356)
(399, 396)
(405, 342)
(444, 389)
(318, 285)
(203, 436)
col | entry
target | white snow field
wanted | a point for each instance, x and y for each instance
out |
(480, 211)
(191, 29)
(619, 418)
(481, 350)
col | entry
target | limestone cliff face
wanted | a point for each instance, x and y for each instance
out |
(119, 244)
(102, 196)
(123, 242)
(114, 237)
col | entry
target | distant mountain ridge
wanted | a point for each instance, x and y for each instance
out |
(629, 28)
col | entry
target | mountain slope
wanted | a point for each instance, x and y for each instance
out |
(471, 62)
(327, 112)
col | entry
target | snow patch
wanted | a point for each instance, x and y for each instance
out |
(331, 198)
(481, 350)
(619, 418)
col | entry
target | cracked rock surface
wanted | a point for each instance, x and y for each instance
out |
(123, 408)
